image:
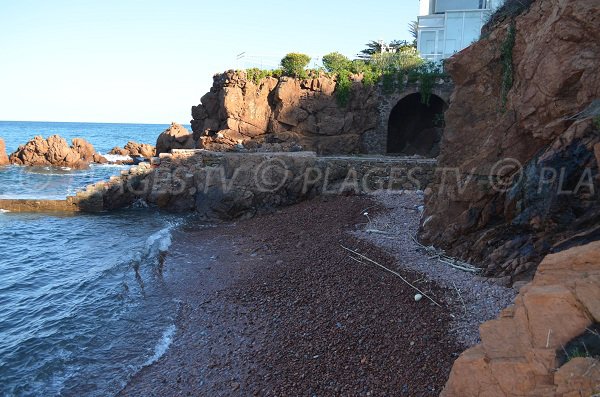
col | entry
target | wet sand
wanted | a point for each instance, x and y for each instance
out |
(274, 306)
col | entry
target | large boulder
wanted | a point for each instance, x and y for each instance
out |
(134, 149)
(174, 137)
(521, 351)
(55, 151)
(86, 151)
(140, 149)
(517, 173)
(3, 156)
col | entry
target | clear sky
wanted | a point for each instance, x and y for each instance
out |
(150, 61)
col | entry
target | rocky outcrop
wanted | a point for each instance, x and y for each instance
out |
(174, 137)
(55, 151)
(86, 151)
(518, 170)
(519, 352)
(134, 149)
(283, 114)
(3, 156)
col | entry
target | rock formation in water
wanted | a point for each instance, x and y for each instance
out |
(3, 156)
(86, 151)
(520, 353)
(282, 114)
(526, 95)
(174, 137)
(134, 149)
(55, 151)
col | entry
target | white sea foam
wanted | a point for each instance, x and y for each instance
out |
(163, 345)
(3, 211)
(116, 157)
(156, 244)
(159, 242)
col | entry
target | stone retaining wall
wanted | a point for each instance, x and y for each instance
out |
(24, 205)
(229, 185)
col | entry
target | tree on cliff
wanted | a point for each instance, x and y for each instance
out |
(335, 62)
(293, 64)
(378, 47)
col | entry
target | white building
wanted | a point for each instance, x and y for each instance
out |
(448, 26)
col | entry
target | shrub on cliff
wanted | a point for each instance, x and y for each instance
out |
(400, 61)
(256, 75)
(335, 62)
(293, 64)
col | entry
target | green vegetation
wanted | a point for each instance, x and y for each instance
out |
(336, 62)
(377, 47)
(427, 74)
(294, 64)
(596, 123)
(256, 74)
(343, 87)
(392, 69)
(392, 65)
(506, 58)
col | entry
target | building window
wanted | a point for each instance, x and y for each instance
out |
(455, 5)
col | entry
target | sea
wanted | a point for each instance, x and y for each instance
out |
(83, 300)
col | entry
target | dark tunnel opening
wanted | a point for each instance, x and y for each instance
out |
(415, 128)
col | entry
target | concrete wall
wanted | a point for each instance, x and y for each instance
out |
(229, 185)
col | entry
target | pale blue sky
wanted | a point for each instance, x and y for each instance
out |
(150, 61)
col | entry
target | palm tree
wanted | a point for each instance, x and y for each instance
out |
(413, 28)
(373, 47)
(376, 47)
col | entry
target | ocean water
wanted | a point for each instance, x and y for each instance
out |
(104, 136)
(57, 183)
(84, 303)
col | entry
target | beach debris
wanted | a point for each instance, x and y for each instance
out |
(359, 258)
(418, 297)
(440, 255)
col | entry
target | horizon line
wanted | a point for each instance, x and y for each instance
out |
(87, 122)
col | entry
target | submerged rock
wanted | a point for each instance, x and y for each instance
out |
(55, 151)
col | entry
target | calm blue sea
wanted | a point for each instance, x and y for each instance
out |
(83, 298)
(104, 136)
(57, 183)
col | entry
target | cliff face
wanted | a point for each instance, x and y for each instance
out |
(283, 113)
(518, 179)
(520, 353)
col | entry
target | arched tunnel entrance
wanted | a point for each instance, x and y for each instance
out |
(415, 127)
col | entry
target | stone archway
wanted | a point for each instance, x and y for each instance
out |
(415, 128)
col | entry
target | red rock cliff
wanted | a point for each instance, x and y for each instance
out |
(527, 169)
(281, 113)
